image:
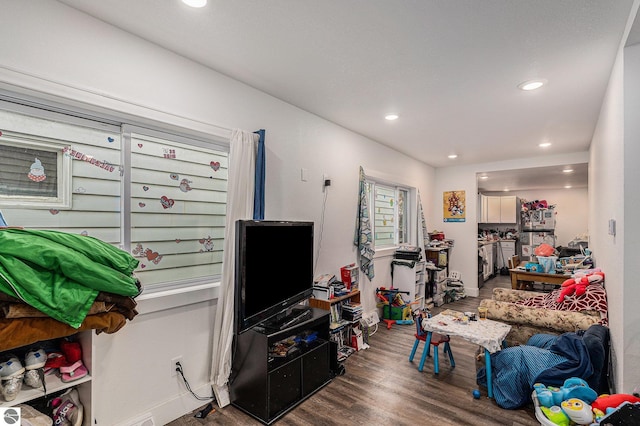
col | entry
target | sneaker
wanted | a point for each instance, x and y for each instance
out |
(35, 358)
(67, 409)
(10, 368)
(34, 378)
(11, 387)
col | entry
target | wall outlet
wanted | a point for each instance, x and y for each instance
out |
(326, 181)
(174, 361)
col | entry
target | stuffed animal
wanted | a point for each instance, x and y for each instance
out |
(603, 402)
(578, 284)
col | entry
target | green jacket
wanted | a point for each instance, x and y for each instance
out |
(61, 274)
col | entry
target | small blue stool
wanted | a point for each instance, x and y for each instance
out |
(430, 339)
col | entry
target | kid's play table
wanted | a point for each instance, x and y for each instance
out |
(487, 333)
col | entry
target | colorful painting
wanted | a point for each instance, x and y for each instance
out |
(454, 207)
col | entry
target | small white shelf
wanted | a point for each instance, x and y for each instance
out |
(54, 384)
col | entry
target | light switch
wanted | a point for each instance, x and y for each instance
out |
(303, 174)
(612, 227)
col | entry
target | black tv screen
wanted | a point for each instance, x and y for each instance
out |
(274, 268)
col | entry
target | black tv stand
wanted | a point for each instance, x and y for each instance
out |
(266, 386)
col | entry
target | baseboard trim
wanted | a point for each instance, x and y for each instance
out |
(172, 409)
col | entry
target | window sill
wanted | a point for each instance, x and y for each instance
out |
(174, 298)
(385, 252)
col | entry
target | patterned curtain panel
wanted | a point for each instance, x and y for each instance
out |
(423, 224)
(363, 236)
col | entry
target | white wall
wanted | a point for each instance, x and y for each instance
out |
(464, 254)
(631, 227)
(613, 177)
(85, 63)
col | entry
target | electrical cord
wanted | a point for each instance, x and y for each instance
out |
(324, 206)
(186, 383)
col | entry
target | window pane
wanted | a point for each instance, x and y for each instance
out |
(178, 205)
(403, 216)
(28, 172)
(384, 215)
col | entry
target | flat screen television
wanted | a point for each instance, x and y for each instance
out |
(274, 269)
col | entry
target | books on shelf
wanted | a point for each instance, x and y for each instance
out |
(352, 311)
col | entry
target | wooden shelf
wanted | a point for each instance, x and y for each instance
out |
(326, 304)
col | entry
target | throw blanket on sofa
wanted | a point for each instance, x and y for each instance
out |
(61, 274)
(594, 299)
(555, 359)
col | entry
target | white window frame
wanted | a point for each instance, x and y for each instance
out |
(411, 213)
(62, 200)
(129, 131)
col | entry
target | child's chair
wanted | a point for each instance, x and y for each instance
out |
(436, 340)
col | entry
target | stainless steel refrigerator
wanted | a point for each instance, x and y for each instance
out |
(536, 227)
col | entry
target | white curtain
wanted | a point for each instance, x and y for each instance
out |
(240, 194)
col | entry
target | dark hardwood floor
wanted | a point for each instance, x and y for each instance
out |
(381, 386)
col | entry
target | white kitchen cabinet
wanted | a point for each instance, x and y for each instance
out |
(494, 209)
(508, 209)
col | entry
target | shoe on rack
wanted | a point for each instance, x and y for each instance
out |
(11, 367)
(11, 387)
(67, 409)
(34, 364)
(72, 351)
(11, 375)
(35, 358)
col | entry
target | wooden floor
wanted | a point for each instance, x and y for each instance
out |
(381, 387)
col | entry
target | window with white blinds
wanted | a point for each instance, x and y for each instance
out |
(158, 195)
(178, 204)
(389, 214)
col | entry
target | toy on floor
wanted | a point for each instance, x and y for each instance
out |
(476, 394)
(578, 411)
(568, 403)
(607, 402)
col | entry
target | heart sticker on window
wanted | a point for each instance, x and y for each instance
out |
(167, 203)
(215, 165)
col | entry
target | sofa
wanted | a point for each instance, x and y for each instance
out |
(531, 313)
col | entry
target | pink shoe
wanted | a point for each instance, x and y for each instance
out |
(72, 372)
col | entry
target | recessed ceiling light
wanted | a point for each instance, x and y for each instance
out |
(567, 187)
(195, 3)
(567, 170)
(506, 190)
(545, 145)
(532, 84)
(484, 177)
(391, 117)
(452, 156)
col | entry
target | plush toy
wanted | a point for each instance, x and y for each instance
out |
(578, 411)
(573, 387)
(603, 402)
(578, 284)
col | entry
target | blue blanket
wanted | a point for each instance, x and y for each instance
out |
(516, 369)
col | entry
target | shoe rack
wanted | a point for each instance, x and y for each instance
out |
(55, 384)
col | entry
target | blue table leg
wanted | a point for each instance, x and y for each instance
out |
(487, 361)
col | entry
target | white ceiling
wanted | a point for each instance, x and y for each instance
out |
(534, 178)
(450, 69)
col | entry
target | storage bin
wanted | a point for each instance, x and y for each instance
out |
(396, 312)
